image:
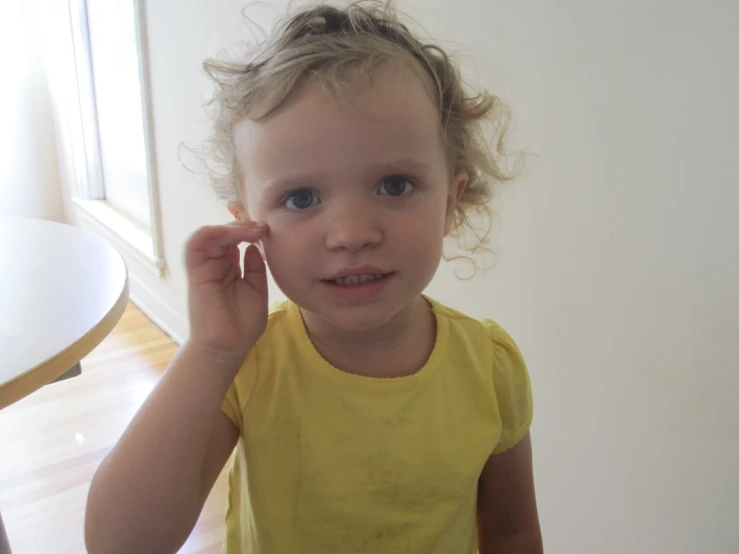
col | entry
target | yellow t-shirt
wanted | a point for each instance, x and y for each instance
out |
(331, 462)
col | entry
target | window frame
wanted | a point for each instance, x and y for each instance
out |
(88, 190)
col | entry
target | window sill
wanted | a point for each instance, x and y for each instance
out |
(121, 231)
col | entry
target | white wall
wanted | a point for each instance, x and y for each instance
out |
(620, 263)
(619, 249)
(29, 177)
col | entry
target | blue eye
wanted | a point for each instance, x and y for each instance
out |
(301, 199)
(395, 186)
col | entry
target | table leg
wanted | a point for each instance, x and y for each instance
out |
(74, 371)
(4, 544)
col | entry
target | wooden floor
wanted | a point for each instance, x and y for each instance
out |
(52, 441)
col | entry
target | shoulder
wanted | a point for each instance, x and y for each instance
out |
(483, 330)
(489, 347)
(460, 325)
(278, 315)
(242, 388)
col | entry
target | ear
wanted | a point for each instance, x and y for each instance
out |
(237, 210)
(456, 190)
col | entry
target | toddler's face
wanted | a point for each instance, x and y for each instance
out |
(343, 186)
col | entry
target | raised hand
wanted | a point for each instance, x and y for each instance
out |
(227, 308)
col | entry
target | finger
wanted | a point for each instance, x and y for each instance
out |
(255, 271)
(215, 241)
(233, 254)
(226, 235)
(221, 270)
(241, 232)
(253, 262)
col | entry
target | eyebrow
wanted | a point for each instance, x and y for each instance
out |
(401, 165)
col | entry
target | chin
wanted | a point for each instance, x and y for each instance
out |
(348, 316)
(353, 318)
(356, 323)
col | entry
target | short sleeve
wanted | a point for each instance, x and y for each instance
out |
(240, 390)
(512, 388)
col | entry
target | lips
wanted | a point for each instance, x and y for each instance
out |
(364, 273)
(359, 288)
(359, 279)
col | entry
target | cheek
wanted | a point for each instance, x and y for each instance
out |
(274, 250)
(285, 248)
(421, 236)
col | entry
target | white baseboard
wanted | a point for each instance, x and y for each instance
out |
(156, 310)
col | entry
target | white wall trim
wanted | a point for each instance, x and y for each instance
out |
(156, 310)
(119, 230)
(155, 222)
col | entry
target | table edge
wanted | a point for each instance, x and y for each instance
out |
(50, 369)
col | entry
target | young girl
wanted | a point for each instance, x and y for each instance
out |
(366, 417)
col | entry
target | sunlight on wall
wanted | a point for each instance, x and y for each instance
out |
(29, 176)
(14, 55)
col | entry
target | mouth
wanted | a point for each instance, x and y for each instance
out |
(358, 280)
(360, 287)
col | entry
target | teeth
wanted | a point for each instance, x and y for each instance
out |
(357, 279)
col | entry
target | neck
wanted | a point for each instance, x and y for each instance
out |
(374, 351)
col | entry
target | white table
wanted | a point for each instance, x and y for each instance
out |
(62, 290)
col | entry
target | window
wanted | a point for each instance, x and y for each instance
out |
(113, 153)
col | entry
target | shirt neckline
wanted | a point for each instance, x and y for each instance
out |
(320, 365)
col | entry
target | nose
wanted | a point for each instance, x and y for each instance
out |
(353, 226)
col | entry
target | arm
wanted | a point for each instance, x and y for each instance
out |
(507, 518)
(148, 492)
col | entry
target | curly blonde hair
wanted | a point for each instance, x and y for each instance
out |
(337, 49)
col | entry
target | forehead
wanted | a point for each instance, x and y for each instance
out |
(392, 118)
